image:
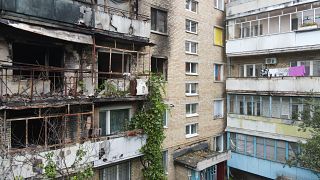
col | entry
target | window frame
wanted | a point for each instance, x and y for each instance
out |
(156, 30)
(189, 22)
(190, 47)
(165, 161)
(189, 89)
(189, 111)
(166, 119)
(107, 110)
(101, 174)
(217, 3)
(190, 134)
(221, 72)
(190, 73)
(189, 3)
(218, 116)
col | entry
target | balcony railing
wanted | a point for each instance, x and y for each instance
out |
(26, 84)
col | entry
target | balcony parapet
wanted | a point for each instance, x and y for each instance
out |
(275, 85)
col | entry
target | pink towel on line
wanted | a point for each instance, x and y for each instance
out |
(297, 71)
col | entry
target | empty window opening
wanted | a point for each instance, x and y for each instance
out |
(26, 56)
(114, 68)
(159, 66)
(18, 134)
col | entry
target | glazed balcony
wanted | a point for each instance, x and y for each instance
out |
(283, 30)
(241, 7)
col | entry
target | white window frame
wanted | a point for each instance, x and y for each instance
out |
(190, 6)
(217, 3)
(189, 114)
(190, 135)
(117, 165)
(189, 47)
(189, 88)
(221, 73)
(107, 112)
(245, 70)
(221, 143)
(218, 116)
(189, 22)
(190, 67)
(165, 125)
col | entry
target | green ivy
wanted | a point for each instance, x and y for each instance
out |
(150, 120)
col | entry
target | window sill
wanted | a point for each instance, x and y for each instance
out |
(165, 127)
(191, 11)
(190, 53)
(192, 115)
(222, 46)
(191, 135)
(159, 33)
(190, 32)
(218, 9)
(217, 117)
(191, 95)
(192, 74)
(218, 81)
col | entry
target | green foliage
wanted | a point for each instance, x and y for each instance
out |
(50, 169)
(309, 119)
(150, 120)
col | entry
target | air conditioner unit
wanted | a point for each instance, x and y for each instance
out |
(271, 60)
(142, 88)
(284, 116)
(217, 116)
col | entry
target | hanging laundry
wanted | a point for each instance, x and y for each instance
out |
(297, 71)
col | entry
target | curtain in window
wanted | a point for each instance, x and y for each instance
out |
(218, 36)
(110, 173)
(119, 120)
(102, 123)
(124, 171)
(217, 72)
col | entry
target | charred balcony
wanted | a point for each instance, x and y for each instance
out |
(98, 16)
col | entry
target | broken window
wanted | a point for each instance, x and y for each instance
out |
(39, 58)
(49, 127)
(160, 66)
(158, 20)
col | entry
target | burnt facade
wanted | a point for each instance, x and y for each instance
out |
(72, 74)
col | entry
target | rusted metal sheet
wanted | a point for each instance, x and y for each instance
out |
(54, 33)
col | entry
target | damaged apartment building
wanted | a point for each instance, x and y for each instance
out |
(189, 53)
(72, 75)
(273, 52)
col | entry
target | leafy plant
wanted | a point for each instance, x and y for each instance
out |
(309, 24)
(150, 120)
(309, 155)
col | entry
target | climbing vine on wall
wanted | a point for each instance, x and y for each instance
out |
(150, 120)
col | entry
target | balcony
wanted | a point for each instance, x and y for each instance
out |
(277, 43)
(266, 127)
(81, 14)
(246, 7)
(98, 152)
(282, 30)
(22, 84)
(280, 85)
